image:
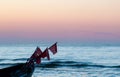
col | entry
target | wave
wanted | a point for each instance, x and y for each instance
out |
(59, 64)
(9, 64)
(19, 59)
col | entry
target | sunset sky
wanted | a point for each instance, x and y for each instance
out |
(60, 20)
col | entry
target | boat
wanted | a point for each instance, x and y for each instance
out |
(17, 71)
(27, 69)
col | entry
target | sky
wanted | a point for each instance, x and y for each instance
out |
(60, 20)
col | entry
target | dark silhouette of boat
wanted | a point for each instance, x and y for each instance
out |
(19, 70)
(27, 69)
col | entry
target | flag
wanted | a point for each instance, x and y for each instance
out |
(45, 54)
(36, 55)
(53, 48)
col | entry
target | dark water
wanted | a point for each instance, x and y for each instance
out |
(70, 61)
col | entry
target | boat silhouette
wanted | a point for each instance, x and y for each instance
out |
(27, 69)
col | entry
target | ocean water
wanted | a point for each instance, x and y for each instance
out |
(70, 61)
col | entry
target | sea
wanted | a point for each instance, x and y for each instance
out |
(70, 60)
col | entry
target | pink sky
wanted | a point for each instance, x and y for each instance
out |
(84, 20)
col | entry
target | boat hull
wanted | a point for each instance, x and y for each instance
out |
(20, 70)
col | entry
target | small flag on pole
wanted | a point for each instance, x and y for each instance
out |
(53, 48)
(36, 55)
(45, 54)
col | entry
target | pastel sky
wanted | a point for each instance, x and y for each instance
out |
(80, 20)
